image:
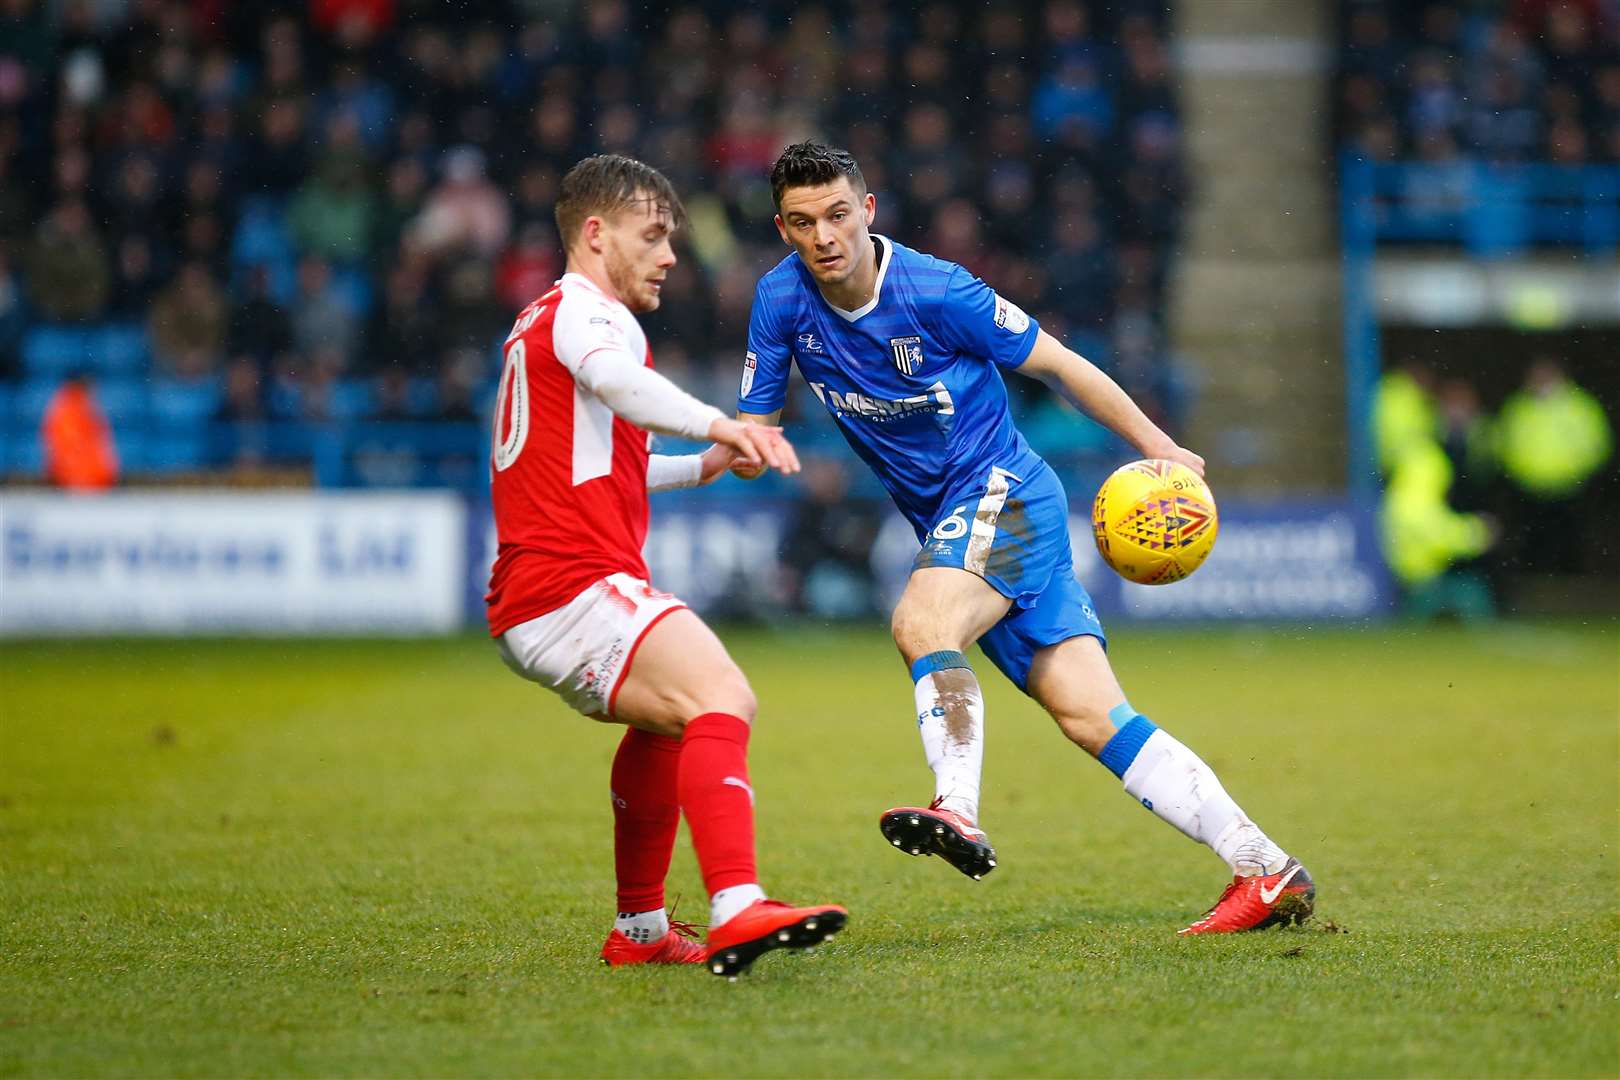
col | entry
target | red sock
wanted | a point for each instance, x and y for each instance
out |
(645, 816)
(718, 800)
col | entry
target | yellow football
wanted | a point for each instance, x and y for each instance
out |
(1154, 521)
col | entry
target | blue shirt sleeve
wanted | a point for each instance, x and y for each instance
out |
(765, 367)
(974, 319)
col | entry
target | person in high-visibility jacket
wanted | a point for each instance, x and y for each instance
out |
(1552, 435)
(1424, 539)
(1403, 412)
(1552, 438)
(78, 443)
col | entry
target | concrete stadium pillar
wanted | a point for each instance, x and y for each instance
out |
(1255, 298)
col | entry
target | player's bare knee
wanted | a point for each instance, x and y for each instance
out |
(728, 693)
(915, 635)
(1086, 727)
(899, 628)
(743, 703)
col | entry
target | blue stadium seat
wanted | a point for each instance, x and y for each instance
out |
(353, 286)
(175, 451)
(261, 239)
(351, 399)
(9, 431)
(423, 396)
(49, 350)
(109, 348)
(285, 399)
(185, 402)
(122, 347)
(261, 236)
(25, 457)
(179, 432)
(133, 444)
(158, 429)
(124, 401)
(28, 407)
(24, 454)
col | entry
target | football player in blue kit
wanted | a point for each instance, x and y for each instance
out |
(906, 352)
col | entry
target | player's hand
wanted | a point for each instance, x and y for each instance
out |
(756, 445)
(741, 468)
(716, 459)
(1170, 451)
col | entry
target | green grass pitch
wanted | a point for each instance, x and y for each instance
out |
(393, 858)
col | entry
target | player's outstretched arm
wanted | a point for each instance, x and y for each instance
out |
(652, 402)
(644, 397)
(1094, 393)
(742, 468)
(740, 445)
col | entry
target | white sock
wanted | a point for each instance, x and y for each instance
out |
(728, 902)
(950, 719)
(1175, 784)
(642, 927)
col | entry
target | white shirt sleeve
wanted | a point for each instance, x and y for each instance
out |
(666, 472)
(597, 350)
(644, 397)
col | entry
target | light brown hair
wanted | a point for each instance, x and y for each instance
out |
(607, 184)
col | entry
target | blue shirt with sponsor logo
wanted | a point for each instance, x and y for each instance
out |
(912, 378)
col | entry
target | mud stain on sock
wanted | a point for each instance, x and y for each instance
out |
(957, 688)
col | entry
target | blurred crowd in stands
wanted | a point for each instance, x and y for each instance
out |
(1474, 501)
(1501, 81)
(327, 213)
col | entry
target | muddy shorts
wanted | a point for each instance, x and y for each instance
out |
(584, 649)
(1013, 531)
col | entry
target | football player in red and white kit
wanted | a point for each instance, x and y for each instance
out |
(569, 603)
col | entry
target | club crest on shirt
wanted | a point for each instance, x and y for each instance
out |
(907, 353)
(809, 342)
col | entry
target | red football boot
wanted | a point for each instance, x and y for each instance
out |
(1254, 903)
(770, 924)
(675, 947)
(937, 831)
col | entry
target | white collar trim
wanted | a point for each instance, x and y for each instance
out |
(877, 285)
(574, 277)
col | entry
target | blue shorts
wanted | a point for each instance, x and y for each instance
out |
(1014, 533)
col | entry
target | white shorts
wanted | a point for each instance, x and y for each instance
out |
(583, 649)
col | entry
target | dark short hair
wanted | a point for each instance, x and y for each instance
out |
(607, 184)
(811, 164)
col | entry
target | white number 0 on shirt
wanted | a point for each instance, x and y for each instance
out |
(512, 407)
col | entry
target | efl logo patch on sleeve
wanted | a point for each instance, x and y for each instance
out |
(1010, 317)
(750, 365)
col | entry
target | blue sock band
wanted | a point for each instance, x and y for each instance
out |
(1126, 744)
(938, 661)
(1121, 714)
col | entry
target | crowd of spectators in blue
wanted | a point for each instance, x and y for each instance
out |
(250, 215)
(1502, 81)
